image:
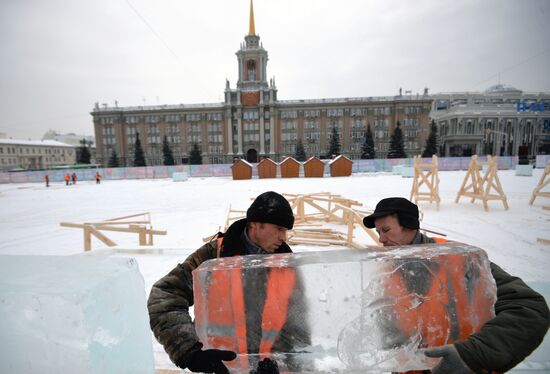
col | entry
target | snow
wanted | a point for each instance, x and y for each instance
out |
(197, 208)
(50, 143)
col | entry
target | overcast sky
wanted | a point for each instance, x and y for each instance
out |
(59, 57)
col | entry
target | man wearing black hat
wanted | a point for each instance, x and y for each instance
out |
(263, 231)
(522, 316)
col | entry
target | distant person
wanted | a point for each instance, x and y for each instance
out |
(67, 178)
(97, 177)
(47, 180)
(522, 316)
(73, 178)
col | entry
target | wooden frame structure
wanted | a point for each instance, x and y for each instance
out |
(477, 187)
(136, 223)
(543, 182)
(308, 228)
(426, 174)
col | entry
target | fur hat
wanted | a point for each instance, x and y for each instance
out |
(271, 207)
(407, 212)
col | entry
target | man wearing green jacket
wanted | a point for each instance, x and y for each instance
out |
(263, 231)
(522, 315)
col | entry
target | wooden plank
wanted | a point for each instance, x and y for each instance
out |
(73, 225)
(130, 216)
(87, 240)
(133, 229)
(101, 236)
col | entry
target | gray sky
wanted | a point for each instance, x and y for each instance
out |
(59, 57)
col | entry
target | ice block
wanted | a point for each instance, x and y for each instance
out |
(73, 314)
(343, 310)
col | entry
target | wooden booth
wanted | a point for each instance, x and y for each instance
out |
(340, 166)
(241, 169)
(314, 167)
(267, 168)
(290, 168)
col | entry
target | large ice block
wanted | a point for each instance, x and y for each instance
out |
(73, 314)
(345, 310)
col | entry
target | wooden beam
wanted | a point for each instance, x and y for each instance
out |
(101, 236)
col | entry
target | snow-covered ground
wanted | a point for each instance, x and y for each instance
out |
(30, 215)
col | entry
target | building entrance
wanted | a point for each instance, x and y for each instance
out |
(252, 155)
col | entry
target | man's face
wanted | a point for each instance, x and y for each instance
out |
(391, 232)
(267, 236)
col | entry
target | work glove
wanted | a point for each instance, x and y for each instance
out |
(209, 361)
(450, 360)
(266, 366)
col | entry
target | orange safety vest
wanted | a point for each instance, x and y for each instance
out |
(448, 298)
(225, 323)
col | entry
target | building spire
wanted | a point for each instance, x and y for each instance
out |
(251, 28)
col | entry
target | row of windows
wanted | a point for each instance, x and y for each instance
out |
(35, 151)
(251, 126)
(133, 119)
(215, 138)
(15, 161)
(312, 113)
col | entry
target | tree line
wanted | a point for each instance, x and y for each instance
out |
(396, 148)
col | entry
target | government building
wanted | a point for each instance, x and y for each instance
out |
(498, 122)
(253, 122)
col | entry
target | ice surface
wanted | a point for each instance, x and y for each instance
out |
(362, 309)
(73, 314)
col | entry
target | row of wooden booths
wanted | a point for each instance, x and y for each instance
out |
(340, 166)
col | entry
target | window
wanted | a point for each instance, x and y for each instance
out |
(193, 117)
(194, 133)
(152, 119)
(251, 126)
(173, 135)
(214, 135)
(335, 112)
(214, 116)
(131, 119)
(172, 118)
(251, 115)
(288, 132)
(153, 134)
(251, 65)
(289, 114)
(312, 113)
(106, 120)
(358, 112)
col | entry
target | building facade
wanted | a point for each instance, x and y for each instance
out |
(34, 154)
(252, 122)
(75, 140)
(497, 122)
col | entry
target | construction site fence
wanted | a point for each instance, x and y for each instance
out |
(224, 170)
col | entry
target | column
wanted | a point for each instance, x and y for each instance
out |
(262, 136)
(229, 134)
(272, 132)
(239, 135)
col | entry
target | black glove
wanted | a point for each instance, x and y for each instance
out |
(209, 361)
(450, 360)
(267, 366)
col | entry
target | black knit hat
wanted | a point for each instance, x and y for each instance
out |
(407, 212)
(271, 207)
